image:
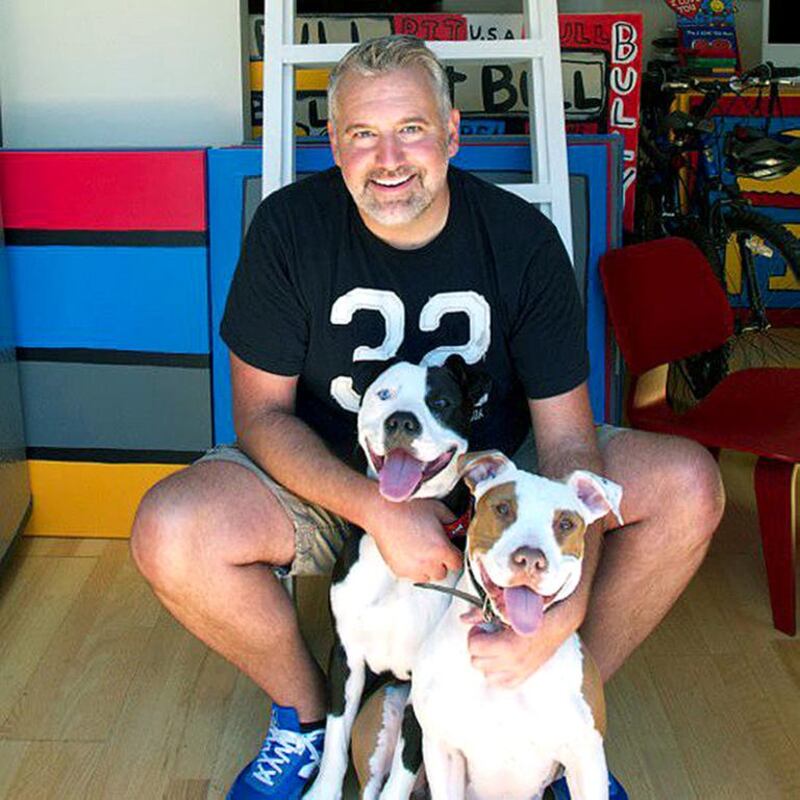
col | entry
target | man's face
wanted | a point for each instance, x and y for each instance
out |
(393, 147)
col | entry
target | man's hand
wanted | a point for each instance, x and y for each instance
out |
(412, 541)
(505, 658)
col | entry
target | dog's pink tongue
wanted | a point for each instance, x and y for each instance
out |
(525, 609)
(399, 476)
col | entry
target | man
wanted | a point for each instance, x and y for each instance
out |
(396, 253)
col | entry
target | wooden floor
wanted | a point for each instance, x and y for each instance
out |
(103, 695)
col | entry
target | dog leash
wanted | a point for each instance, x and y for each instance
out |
(481, 601)
(489, 614)
(469, 598)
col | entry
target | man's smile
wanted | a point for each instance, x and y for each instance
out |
(392, 184)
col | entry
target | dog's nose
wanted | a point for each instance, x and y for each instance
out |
(402, 422)
(529, 559)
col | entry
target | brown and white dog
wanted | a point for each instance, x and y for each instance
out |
(525, 548)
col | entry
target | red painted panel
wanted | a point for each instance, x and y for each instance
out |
(758, 105)
(119, 190)
(773, 199)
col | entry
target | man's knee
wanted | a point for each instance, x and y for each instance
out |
(200, 521)
(161, 536)
(668, 478)
(704, 482)
(692, 486)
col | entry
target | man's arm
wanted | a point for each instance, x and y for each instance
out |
(565, 441)
(409, 535)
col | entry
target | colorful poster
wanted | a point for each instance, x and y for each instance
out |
(601, 58)
(707, 33)
(685, 8)
(704, 12)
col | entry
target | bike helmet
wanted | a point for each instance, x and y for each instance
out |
(753, 155)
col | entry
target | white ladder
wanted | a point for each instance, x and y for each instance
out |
(549, 188)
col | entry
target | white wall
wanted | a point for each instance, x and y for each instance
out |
(90, 73)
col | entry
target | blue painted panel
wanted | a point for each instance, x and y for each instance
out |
(227, 171)
(119, 298)
(786, 216)
(480, 154)
(513, 154)
(599, 158)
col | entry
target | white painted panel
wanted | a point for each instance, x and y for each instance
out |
(92, 73)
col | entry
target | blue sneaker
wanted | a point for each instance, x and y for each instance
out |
(288, 759)
(615, 790)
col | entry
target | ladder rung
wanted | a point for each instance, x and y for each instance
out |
(503, 50)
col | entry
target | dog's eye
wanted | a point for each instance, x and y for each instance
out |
(384, 394)
(503, 509)
(440, 403)
(565, 524)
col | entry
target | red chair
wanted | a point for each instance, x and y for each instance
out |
(665, 304)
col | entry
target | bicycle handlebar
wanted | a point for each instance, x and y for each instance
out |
(674, 78)
(768, 73)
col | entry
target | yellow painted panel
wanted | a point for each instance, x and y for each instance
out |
(788, 184)
(787, 281)
(256, 76)
(733, 269)
(312, 80)
(306, 80)
(88, 499)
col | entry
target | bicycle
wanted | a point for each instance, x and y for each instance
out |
(687, 186)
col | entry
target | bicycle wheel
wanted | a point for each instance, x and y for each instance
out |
(648, 211)
(762, 276)
(692, 378)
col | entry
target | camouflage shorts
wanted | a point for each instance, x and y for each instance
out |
(318, 534)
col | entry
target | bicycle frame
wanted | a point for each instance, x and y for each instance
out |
(691, 182)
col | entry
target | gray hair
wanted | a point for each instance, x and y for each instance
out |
(387, 54)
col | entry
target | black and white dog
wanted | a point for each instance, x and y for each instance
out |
(413, 425)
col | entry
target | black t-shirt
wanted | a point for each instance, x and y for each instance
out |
(315, 290)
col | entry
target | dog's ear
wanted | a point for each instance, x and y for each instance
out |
(474, 381)
(364, 373)
(476, 468)
(599, 495)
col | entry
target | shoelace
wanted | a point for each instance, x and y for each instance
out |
(278, 748)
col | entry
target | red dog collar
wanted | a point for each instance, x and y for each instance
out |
(458, 528)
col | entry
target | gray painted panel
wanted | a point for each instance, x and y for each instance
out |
(116, 406)
(579, 203)
(252, 197)
(12, 439)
